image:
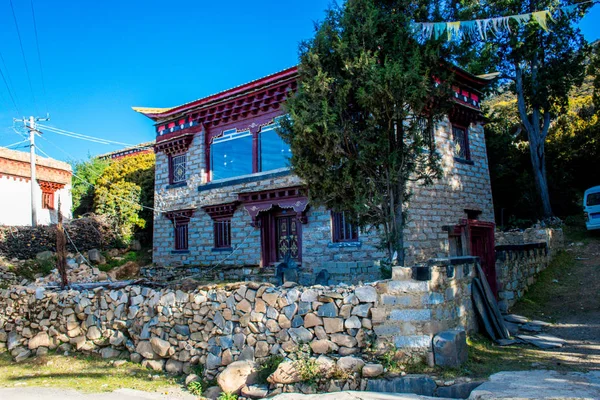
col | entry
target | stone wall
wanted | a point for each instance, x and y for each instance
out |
(216, 326)
(520, 257)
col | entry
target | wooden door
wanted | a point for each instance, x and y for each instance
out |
(287, 237)
(482, 245)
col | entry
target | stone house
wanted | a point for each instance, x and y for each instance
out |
(227, 197)
(53, 181)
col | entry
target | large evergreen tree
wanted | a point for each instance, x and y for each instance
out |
(540, 65)
(361, 123)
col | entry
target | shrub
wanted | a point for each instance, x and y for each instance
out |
(195, 388)
(228, 396)
(268, 367)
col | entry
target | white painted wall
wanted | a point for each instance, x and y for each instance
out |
(15, 203)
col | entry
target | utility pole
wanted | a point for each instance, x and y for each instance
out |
(32, 131)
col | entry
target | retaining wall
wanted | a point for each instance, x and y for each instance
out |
(174, 329)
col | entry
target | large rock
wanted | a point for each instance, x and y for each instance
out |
(160, 347)
(366, 294)
(450, 348)
(109, 352)
(96, 257)
(94, 333)
(372, 370)
(350, 364)
(255, 391)
(237, 375)
(322, 346)
(145, 349)
(285, 373)
(40, 340)
(344, 340)
(300, 335)
(174, 367)
(156, 365)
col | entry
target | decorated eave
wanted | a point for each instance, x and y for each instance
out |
(50, 173)
(240, 102)
(141, 148)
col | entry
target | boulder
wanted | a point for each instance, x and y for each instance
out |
(94, 333)
(344, 340)
(285, 373)
(40, 340)
(144, 348)
(160, 347)
(237, 375)
(366, 294)
(174, 367)
(96, 257)
(372, 370)
(322, 346)
(350, 364)
(109, 352)
(156, 365)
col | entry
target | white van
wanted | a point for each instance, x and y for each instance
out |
(591, 208)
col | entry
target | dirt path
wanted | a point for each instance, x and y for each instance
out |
(568, 294)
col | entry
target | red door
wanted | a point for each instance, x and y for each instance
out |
(287, 237)
(482, 245)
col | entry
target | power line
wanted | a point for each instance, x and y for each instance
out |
(82, 136)
(23, 54)
(37, 45)
(14, 144)
(6, 84)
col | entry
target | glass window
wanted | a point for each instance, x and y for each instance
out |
(343, 230)
(181, 236)
(222, 233)
(460, 142)
(231, 155)
(593, 199)
(178, 168)
(274, 152)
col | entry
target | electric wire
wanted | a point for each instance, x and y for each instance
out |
(37, 45)
(23, 54)
(14, 144)
(81, 136)
(7, 86)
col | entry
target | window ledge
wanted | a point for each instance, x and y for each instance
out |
(221, 249)
(180, 251)
(337, 245)
(176, 185)
(244, 179)
(463, 161)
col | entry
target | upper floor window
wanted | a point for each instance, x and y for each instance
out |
(460, 142)
(343, 230)
(177, 168)
(48, 200)
(274, 152)
(231, 155)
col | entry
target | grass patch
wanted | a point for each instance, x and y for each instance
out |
(80, 372)
(30, 268)
(111, 263)
(556, 281)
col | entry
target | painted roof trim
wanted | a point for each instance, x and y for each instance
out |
(163, 113)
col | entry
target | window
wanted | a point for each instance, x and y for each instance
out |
(181, 235)
(177, 171)
(342, 229)
(48, 200)
(460, 141)
(231, 155)
(274, 152)
(222, 233)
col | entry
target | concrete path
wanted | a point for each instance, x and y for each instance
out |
(525, 385)
(40, 393)
(351, 395)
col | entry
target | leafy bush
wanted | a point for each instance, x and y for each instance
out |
(228, 396)
(195, 388)
(308, 369)
(85, 174)
(30, 268)
(123, 190)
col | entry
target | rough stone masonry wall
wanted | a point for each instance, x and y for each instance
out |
(174, 329)
(520, 257)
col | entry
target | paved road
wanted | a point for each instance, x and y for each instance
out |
(38, 393)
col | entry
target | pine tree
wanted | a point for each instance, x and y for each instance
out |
(361, 123)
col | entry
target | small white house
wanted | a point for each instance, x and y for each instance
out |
(53, 181)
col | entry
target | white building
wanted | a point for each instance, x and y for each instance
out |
(53, 182)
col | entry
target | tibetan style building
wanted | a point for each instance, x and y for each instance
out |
(54, 181)
(228, 197)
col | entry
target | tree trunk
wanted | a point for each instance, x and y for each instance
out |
(61, 249)
(399, 227)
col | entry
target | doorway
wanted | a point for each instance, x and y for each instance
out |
(482, 245)
(281, 232)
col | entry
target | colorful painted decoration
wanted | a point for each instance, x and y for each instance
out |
(480, 28)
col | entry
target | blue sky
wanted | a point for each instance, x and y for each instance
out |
(100, 58)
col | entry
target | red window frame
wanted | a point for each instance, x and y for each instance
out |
(48, 200)
(342, 230)
(466, 154)
(222, 233)
(181, 235)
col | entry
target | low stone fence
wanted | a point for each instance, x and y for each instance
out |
(520, 257)
(222, 273)
(173, 330)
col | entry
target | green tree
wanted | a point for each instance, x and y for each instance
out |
(361, 122)
(85, 174)
(122, 192)
(541, 65)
